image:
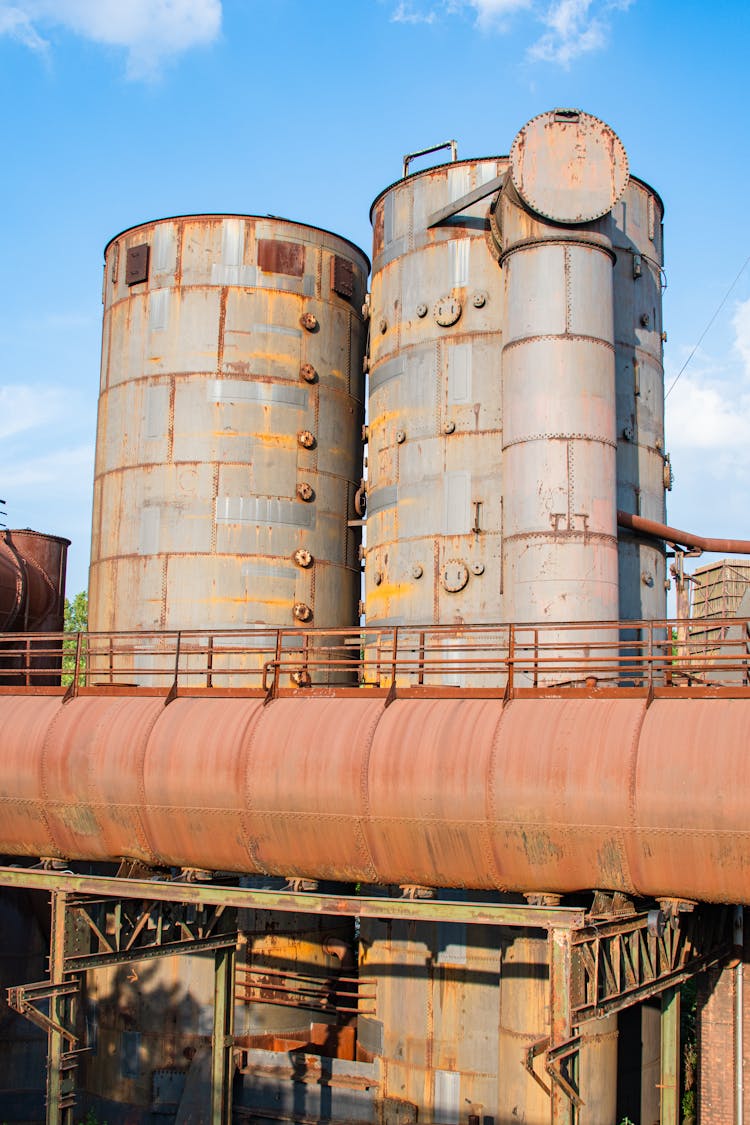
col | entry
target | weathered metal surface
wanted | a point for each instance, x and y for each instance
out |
(12, 583)
(559, 407)
(197, 512)
(568, 166)
(545, 794)
(466, 912)
(32, 600)
(434, 458)
(635, 227)
(435, 1024)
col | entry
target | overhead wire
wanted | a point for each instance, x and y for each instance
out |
(703, 334)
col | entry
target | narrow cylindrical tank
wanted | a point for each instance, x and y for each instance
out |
(229, 428)
(435, 412)
(558, 371)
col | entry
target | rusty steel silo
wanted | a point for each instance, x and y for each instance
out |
(516, 401)
(434, 516)
(229, 428)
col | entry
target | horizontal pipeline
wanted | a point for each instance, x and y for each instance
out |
(684, 538)
(647, 797)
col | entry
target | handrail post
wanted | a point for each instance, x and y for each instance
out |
(510, 661)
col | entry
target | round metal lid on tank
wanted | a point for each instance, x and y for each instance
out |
(568, 166)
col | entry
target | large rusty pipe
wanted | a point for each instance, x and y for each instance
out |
(683, 538)
(550, 795)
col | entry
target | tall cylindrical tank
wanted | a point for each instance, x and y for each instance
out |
(435, 412)
(229, 430)
(558, 371)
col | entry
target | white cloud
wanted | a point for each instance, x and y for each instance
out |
(151, 31)
(408, 13)
(24, 408)
(494, 13)
(572, 27)
(708, 411)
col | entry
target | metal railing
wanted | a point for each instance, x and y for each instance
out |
(490, 658)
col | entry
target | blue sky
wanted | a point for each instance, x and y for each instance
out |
(120, 111)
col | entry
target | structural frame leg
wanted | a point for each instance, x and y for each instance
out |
(60, 1092)
(669, 1085)
(222, 1064)
(560, 966)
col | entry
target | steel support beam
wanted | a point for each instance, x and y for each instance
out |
(669, 1085)
(222, 1060)
(217, 894)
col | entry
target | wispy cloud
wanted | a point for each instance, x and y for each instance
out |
(570, 27)
(24, 408)
(708, 416)
(150, 31)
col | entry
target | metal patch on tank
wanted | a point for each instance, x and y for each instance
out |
(239, 390)
(275, 256)
(458, 361)
(262, 509)
(267, 570)
(382, 498)
(150, 530)
(386, 371)
(342, 277)
(447, 1097)
(276, 329)
(457, 504)
(222, 274)
(158, 310)
(136, 264)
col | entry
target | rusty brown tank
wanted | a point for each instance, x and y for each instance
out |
(537, 794)
(32, 600)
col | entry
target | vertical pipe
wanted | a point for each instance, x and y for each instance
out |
(670, 1057)
(221, 1042)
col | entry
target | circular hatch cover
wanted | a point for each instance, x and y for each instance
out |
(568, 166)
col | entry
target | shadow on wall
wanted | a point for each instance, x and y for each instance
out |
(24, 937)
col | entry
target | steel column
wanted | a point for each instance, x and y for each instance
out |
(60, 1092)
(222, 1070)
(561, 1027)
(670, 1057)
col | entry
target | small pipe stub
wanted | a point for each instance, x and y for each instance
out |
(306, 439)
(302, 612)
(305, 491)
(309, 322)
(308, 373)
(303, 558)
